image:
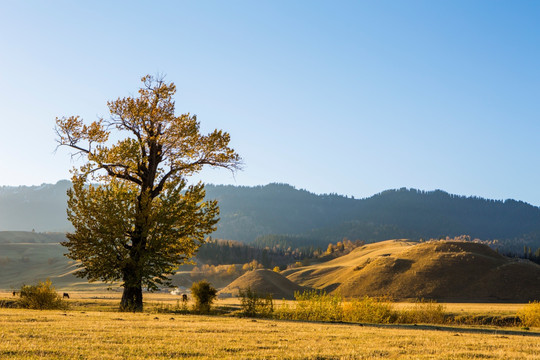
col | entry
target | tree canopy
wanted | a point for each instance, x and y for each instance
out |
(135, 216)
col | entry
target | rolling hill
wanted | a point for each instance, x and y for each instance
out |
(263, 282)
(401, 269)
(26, 257)
(441, 270)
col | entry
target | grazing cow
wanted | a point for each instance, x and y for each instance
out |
(15, 293)
(66, 295)
(184, 298)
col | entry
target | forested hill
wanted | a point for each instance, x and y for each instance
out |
(279, 213)
(249, 212)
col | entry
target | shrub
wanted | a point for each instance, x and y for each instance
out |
(423, 312)
(530, 314)
(255, 305)
(41, 296)
(314, 306)
(369, 310)
(179, 308)
(204, 295)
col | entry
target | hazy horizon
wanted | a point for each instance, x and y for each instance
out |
(306, 189)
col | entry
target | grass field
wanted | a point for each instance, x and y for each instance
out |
(26, 334)
(86, 333)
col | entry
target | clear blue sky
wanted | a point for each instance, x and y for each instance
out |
(351, 97)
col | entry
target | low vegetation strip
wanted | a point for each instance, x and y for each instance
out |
(307, 306)
(317, 306)
(53, 334)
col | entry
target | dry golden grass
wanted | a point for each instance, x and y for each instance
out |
(107, 334)
(28, 334)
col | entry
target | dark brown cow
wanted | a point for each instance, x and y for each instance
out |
(65, 296)
(184, 298)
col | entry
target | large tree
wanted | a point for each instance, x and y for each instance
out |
(135, 217)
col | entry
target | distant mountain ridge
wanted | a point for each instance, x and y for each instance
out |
(257, 214)
(40, 208)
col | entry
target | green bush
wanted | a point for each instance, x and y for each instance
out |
(369, 310)
(254, 304)
(41, 296)
(530, 314)
(204, 295)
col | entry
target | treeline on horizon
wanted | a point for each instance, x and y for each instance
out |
(218, 251)
(265, 216)
(251, 214)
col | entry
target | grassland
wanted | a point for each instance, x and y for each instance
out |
(28, 334)
(93, 330)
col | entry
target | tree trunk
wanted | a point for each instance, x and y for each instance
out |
(132, 299)
(132, 295)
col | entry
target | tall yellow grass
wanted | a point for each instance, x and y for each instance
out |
(530, 314)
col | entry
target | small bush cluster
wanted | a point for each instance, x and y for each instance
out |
(204, 295)
(369, 310)
(255, 305)
(313, 306)
(179, 308)
(319, 306)
(530, 314)
(40, 297)
(423, 312)
(481, 320)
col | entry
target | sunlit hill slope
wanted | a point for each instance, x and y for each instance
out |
(442, 270)
(263, 281)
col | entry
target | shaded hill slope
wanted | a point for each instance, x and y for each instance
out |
(443, 270)
(263, 281)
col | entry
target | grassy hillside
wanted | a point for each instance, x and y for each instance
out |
(264, 282)
(443, 270)
(27, 257)
(330, 275)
